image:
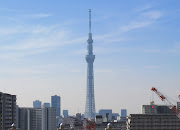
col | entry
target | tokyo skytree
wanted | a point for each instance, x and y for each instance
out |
(90, 101)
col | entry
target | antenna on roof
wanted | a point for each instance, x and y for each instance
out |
(89, 20)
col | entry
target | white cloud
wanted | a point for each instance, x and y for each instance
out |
(27, 30)
(153, 15)
(40, 15)
(146, 19)
(135, 25)
(144, 8)
(35, 40)
(7, 9)
(40, 39)
(109, 38)
(8, 31)
(35, 37)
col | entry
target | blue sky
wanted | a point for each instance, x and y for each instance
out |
(43, 47)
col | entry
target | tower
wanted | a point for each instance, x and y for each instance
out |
(90, 102)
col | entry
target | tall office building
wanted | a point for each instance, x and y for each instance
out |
(34, 119)
(22, 118)
(90, 101)
(48, 118)
(123, 113)
(37, 104)
(56, 103)
(106, 114)
(47, 105)
(65, 113)
(123, 116)
(7, 110)
(37, 118)
(105, 111)
(17, 116)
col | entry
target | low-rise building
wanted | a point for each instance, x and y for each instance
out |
(13, 128)
(100, 125)
(153, 122)
(112, 125)
(72, 123)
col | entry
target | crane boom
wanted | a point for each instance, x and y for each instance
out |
(90, 126)
(167, 101)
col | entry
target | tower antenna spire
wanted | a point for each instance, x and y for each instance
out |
(90, 101)
(89, 20)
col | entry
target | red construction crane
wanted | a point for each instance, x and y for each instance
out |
(167, 101)
(90, 126)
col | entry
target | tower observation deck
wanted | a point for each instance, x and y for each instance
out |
(90, 101)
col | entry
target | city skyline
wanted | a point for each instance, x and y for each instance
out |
(43, 46)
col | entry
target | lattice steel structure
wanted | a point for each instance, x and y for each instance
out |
(90, 101)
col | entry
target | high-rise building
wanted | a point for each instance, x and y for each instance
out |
(56, 103)
(37, 104)
(17, 116)
(105, 111)
(47, 105)
(22, 118)
(34, 120)
(123, 113)
(123, 116)
(106, 114)
(65, 113)
(29, 118)
(48, 118)
(37, 118)
(90, 101)
(7, 110)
